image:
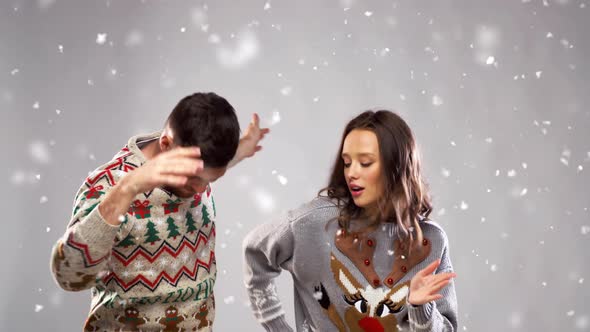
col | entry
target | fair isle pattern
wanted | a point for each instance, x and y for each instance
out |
(161, 259)
(174, 253)
(202, 206)
(120, 163)
(84, 252)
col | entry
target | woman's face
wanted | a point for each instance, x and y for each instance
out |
(362, 167)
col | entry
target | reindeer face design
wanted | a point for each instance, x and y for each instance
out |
(371, 309)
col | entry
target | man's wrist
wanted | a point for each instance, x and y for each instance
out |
(126, 189)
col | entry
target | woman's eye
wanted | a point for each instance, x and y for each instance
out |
(346, 165)
(366, 164)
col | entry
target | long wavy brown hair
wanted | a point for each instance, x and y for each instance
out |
(405, 199)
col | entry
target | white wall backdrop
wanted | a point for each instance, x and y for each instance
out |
(496, 91)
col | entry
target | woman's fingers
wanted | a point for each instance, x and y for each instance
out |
(435, 288)
(438, 277)
(430, 268)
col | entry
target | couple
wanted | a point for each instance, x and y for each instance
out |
(363, 255)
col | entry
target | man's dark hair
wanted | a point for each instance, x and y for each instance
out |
(208, 121)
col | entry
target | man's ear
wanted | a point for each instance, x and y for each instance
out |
(165, 141)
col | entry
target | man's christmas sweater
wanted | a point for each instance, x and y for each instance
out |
(154, 272)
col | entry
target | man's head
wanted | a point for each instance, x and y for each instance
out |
(208, 121)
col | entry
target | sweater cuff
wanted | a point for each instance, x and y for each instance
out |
(278, 324)
(421, 314)
(96, 233)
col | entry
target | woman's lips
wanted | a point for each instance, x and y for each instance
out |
(356, 191)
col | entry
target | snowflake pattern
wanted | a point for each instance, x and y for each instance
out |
(163, 262)
(268, 294)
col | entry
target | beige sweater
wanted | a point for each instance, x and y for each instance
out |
(156, 271)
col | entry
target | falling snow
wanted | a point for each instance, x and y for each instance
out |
(464, 205)
(101, 38)
(497, 106)
(244, 50)
(437, 100)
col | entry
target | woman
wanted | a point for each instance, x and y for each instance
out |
(363, 254)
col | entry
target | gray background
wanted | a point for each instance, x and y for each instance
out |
(496, 92)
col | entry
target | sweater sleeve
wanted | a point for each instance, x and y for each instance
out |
(440, 315)
(80, 257)
(267, 249)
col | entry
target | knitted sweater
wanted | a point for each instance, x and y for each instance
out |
(154, 272)
(344, 281)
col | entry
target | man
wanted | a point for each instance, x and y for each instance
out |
(142, 233)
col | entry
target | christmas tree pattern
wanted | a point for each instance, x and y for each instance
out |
(172, 228)
(206, 219)
(190, 223)
(88, 210)
(124, 220)
(214, 210)
(128, 241)
(152, 233)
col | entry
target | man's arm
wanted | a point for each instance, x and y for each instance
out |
(80, 257)
(249, 142)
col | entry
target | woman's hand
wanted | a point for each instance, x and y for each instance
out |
(424, 286)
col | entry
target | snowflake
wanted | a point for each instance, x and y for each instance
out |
(163, 262)
(437, 100)
(184, 257)
(39, 152)
(286, 90)
(246, 49)
(283, 180)
(134, 38)
(464, 205)
(101, 38)
(261, 296)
